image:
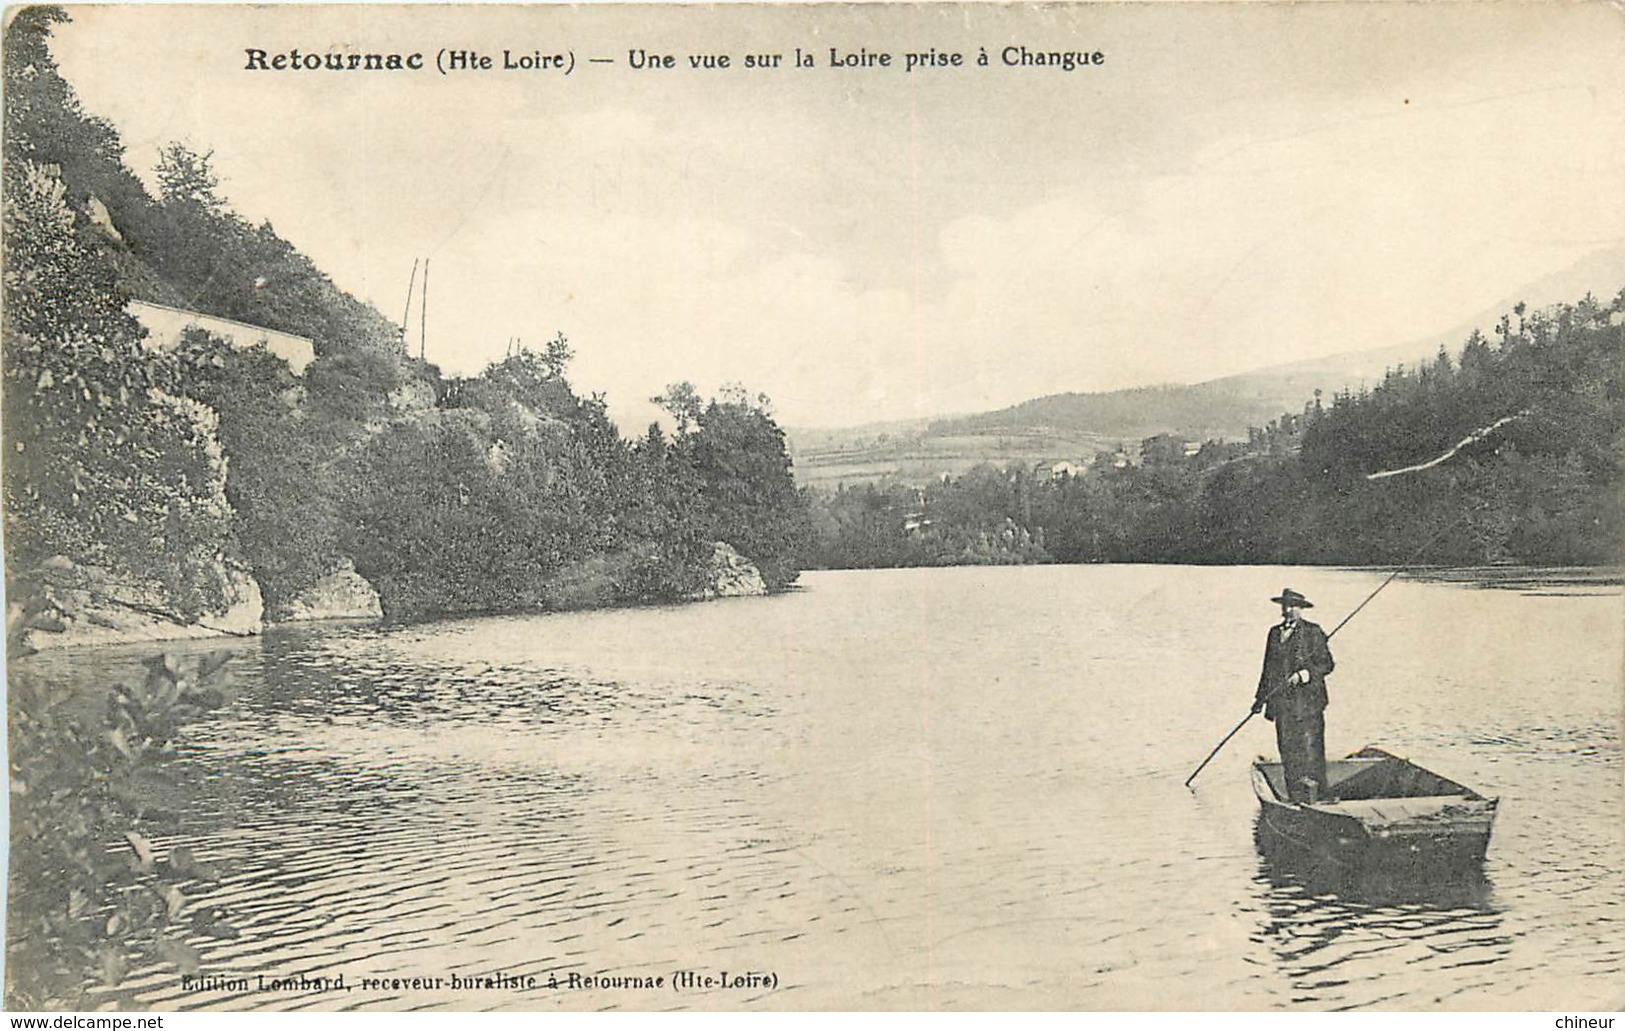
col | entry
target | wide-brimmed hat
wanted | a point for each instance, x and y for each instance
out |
(1290, 597)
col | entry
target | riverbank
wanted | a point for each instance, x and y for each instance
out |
(87, 606)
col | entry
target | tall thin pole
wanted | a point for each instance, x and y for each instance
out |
(1216, 748)
(407, 314)
(1408, 563)
(423, 316)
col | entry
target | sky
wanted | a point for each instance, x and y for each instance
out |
(1234, 187)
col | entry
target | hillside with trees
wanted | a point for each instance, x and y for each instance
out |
(1069, 427)
(1545, 487)
(189, 469)
(179, 473)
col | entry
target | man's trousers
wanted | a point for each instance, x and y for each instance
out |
(1301, 738)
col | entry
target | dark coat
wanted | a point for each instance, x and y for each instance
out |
(1305, 649)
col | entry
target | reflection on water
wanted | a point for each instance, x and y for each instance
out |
(1337, 934)
(912, 789)
(1578, 581)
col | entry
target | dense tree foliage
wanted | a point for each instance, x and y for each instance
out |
(515, 493)
(476, 505)
(985, 517)
(285, 498)
(105, 461)
(164, 469)
(499, 491)
(1544, 487)
(733, 456)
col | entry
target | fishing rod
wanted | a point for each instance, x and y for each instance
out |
(1345, 621)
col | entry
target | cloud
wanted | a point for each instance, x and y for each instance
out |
(885, 252)
(1353, 235)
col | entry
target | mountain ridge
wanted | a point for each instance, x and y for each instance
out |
(1072, 426)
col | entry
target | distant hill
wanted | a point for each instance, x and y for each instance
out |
(1073, 427)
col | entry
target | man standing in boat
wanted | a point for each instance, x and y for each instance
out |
(1292, 694)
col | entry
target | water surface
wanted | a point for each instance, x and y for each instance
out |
(952, 788)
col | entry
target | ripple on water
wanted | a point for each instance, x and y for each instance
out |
(952, 788)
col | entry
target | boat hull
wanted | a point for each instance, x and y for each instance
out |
(1432, 823)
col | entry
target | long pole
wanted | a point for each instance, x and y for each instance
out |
(1408, 563)
(1345, 621)
(423, 316)
(407, 314)
(1233, 732)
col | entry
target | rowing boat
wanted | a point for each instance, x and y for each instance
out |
(1379, 808)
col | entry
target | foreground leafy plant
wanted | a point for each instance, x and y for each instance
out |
(92, 895)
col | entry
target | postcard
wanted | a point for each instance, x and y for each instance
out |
(814, 507)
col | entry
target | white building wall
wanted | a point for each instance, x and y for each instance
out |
(165, 325)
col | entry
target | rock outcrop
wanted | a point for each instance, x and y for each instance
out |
(88, 605)
(730, 575)
(341, 594)
(91, 605)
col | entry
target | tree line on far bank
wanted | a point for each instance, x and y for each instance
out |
(1544, 488)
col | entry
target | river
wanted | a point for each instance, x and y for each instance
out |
(911, 789)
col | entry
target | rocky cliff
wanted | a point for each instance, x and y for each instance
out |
(89, 605)
(341, 594)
